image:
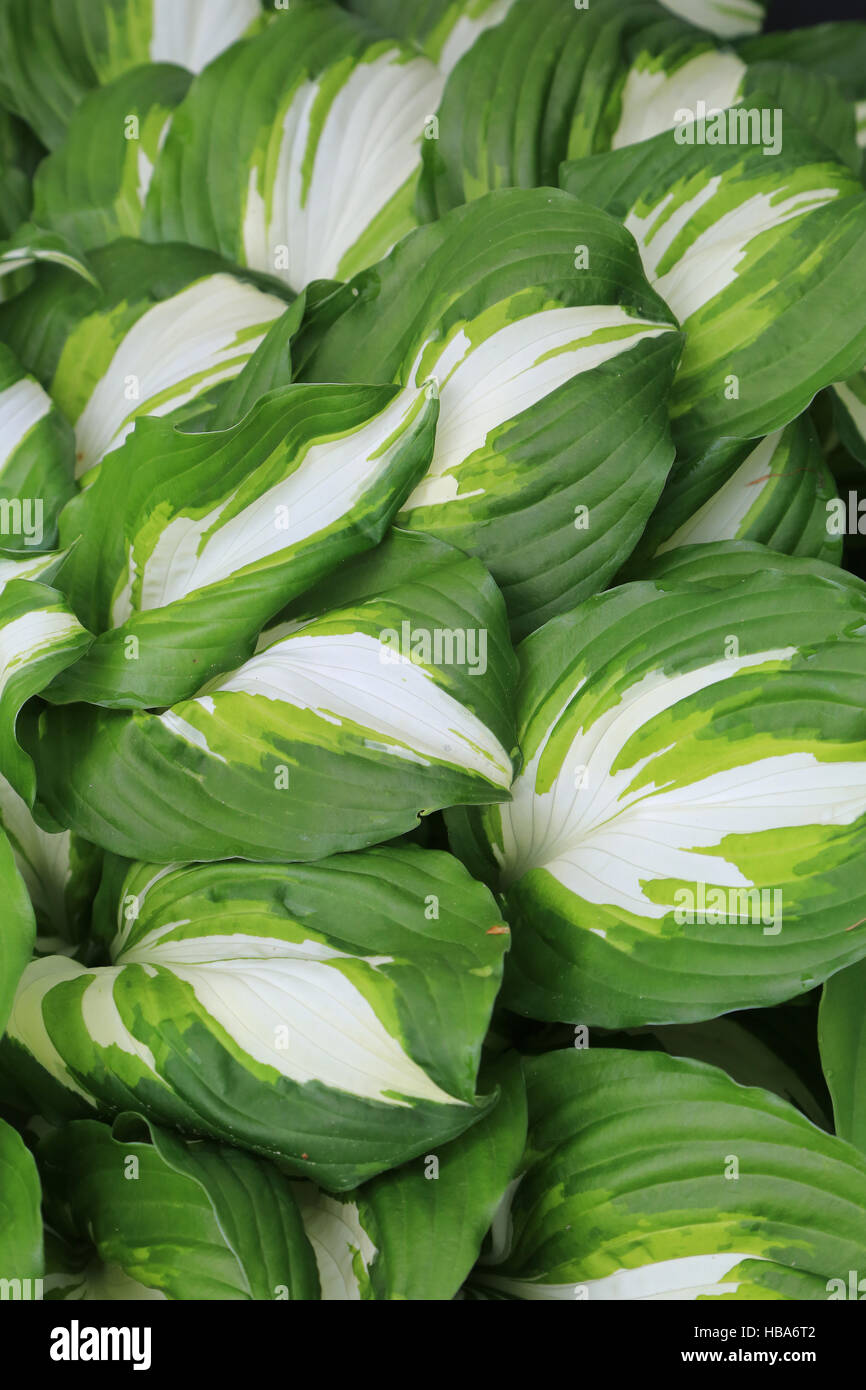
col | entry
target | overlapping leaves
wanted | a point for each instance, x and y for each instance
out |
(553, 359)
(649, 1177)
(315, 392)
(744, 249)
(160, 333)
(684, 837)
(340, 1047)
(338, 733)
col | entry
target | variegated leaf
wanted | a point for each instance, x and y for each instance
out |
(44, 567)
(16, 942)
(649, 1177)
(444, 29)
(553, 360)
(243, 1003)
(414, 1233)
(323, 122)
(59, 869)
(141, 1214)
(778, 491)
(685, 834)
(187, 544)
(37, 453)
(166, 332)
(657, 85)
(748, 251)
(54, 53)
(719, 563)
(556, 81)
(727, 18)
(337, 734)
(94, 187)
(849, 410)
(544, 85)
(29, 247)
(39, 637)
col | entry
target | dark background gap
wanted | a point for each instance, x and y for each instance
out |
(792, 14)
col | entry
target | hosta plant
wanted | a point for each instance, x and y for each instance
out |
(432, 655)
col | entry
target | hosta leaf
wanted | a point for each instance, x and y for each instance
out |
(813, 100)
(319, 123)
(20, 1217)
(37, 454)
(16, 938)
(837, 50)
(337, 734)
(169, 327)
(726, 18)
(849, 411)
(668, 72)
(52, 54)
(842, 1036)
(452, 593)
(777, 492)
(93, 188)
(268, 367)
(415, 1233)
(721, 562)
(773, 1048)
(556, 81)
(341, 1043)
(186, 544)
(31, 246)
(157, 1216)
(60, 872)
(758, 257)
(44, 567)
(445, 29)
(19, 152)
(40, 635)
(651, 1177)
(533, 91)
(684, 837)
(553, 368)
(73, 1270)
